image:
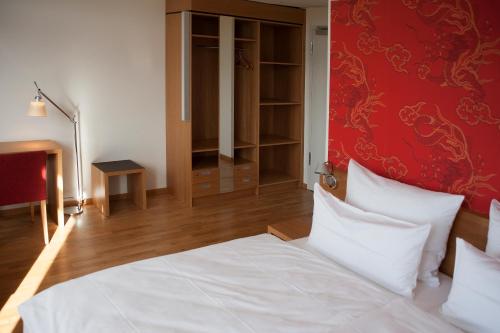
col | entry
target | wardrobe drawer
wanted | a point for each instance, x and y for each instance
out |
(207, 188)
(245, 181)
(205, 175)
(245, 169)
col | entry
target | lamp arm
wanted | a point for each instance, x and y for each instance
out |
(55, 105)
(76, 124)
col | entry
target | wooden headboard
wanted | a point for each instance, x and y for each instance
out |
(468, 225)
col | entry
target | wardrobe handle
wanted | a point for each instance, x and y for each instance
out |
(186, 66)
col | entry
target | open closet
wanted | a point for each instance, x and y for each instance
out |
(234, 80)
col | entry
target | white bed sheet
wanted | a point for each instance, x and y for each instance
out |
(254, 284)
(426, 298)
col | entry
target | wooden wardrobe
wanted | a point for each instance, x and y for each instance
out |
(234, 83)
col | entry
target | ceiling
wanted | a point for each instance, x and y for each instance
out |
(297, 3)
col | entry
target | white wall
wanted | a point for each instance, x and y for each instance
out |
(315, 16)
(105, 58)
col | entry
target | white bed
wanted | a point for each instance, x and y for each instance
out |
(254, 284)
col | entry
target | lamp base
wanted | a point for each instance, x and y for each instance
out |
(73, 210)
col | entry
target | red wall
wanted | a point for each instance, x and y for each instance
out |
(415, 92)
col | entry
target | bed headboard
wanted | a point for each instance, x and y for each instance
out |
(468, 225)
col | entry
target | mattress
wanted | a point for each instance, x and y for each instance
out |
(426, 298)
(254, 284)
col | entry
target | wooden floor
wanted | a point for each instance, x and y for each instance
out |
(130, 234)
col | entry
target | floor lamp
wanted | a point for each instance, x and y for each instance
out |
(37, 109)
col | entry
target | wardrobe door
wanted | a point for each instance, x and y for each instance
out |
(178, 108)
(226, 103)
(186, 66)
(226, 86)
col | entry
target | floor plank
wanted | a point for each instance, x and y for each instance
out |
(130, 234)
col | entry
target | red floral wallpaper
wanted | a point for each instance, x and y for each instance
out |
(415, 92)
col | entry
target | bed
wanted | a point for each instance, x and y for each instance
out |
(254, 284)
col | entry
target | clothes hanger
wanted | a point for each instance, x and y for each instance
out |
(242, 61)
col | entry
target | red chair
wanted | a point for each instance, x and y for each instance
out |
(23, 180)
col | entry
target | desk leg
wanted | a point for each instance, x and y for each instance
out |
(136, 183)
(55, 188)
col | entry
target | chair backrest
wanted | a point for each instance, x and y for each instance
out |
(23, 177)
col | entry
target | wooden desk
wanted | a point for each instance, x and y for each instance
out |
(54, 171)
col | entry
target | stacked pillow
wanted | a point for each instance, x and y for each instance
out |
(385, 230)
(474, 300)
(382, 249)
(377, 194)
(388, 232)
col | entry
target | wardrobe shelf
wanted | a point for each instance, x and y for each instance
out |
(205, 145)
(205, 36)
(276, 140)
(278, 63)
(268, 101)
(273, 177)
(238, 144)
(245, 39)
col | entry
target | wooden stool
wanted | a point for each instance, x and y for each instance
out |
(136, 182)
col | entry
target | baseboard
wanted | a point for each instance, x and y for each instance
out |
(122, 196)
(72, 202)
(17, 211)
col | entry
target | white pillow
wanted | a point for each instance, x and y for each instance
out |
(377, 194)
(474, 300)
(380, 248)
(493, 244)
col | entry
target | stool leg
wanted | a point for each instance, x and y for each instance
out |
(43, 213)
(32, 210)
(100, 190)
(137, 189)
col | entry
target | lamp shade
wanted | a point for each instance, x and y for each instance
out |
(37, 109)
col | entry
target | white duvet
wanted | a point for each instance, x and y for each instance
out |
(255, 284)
